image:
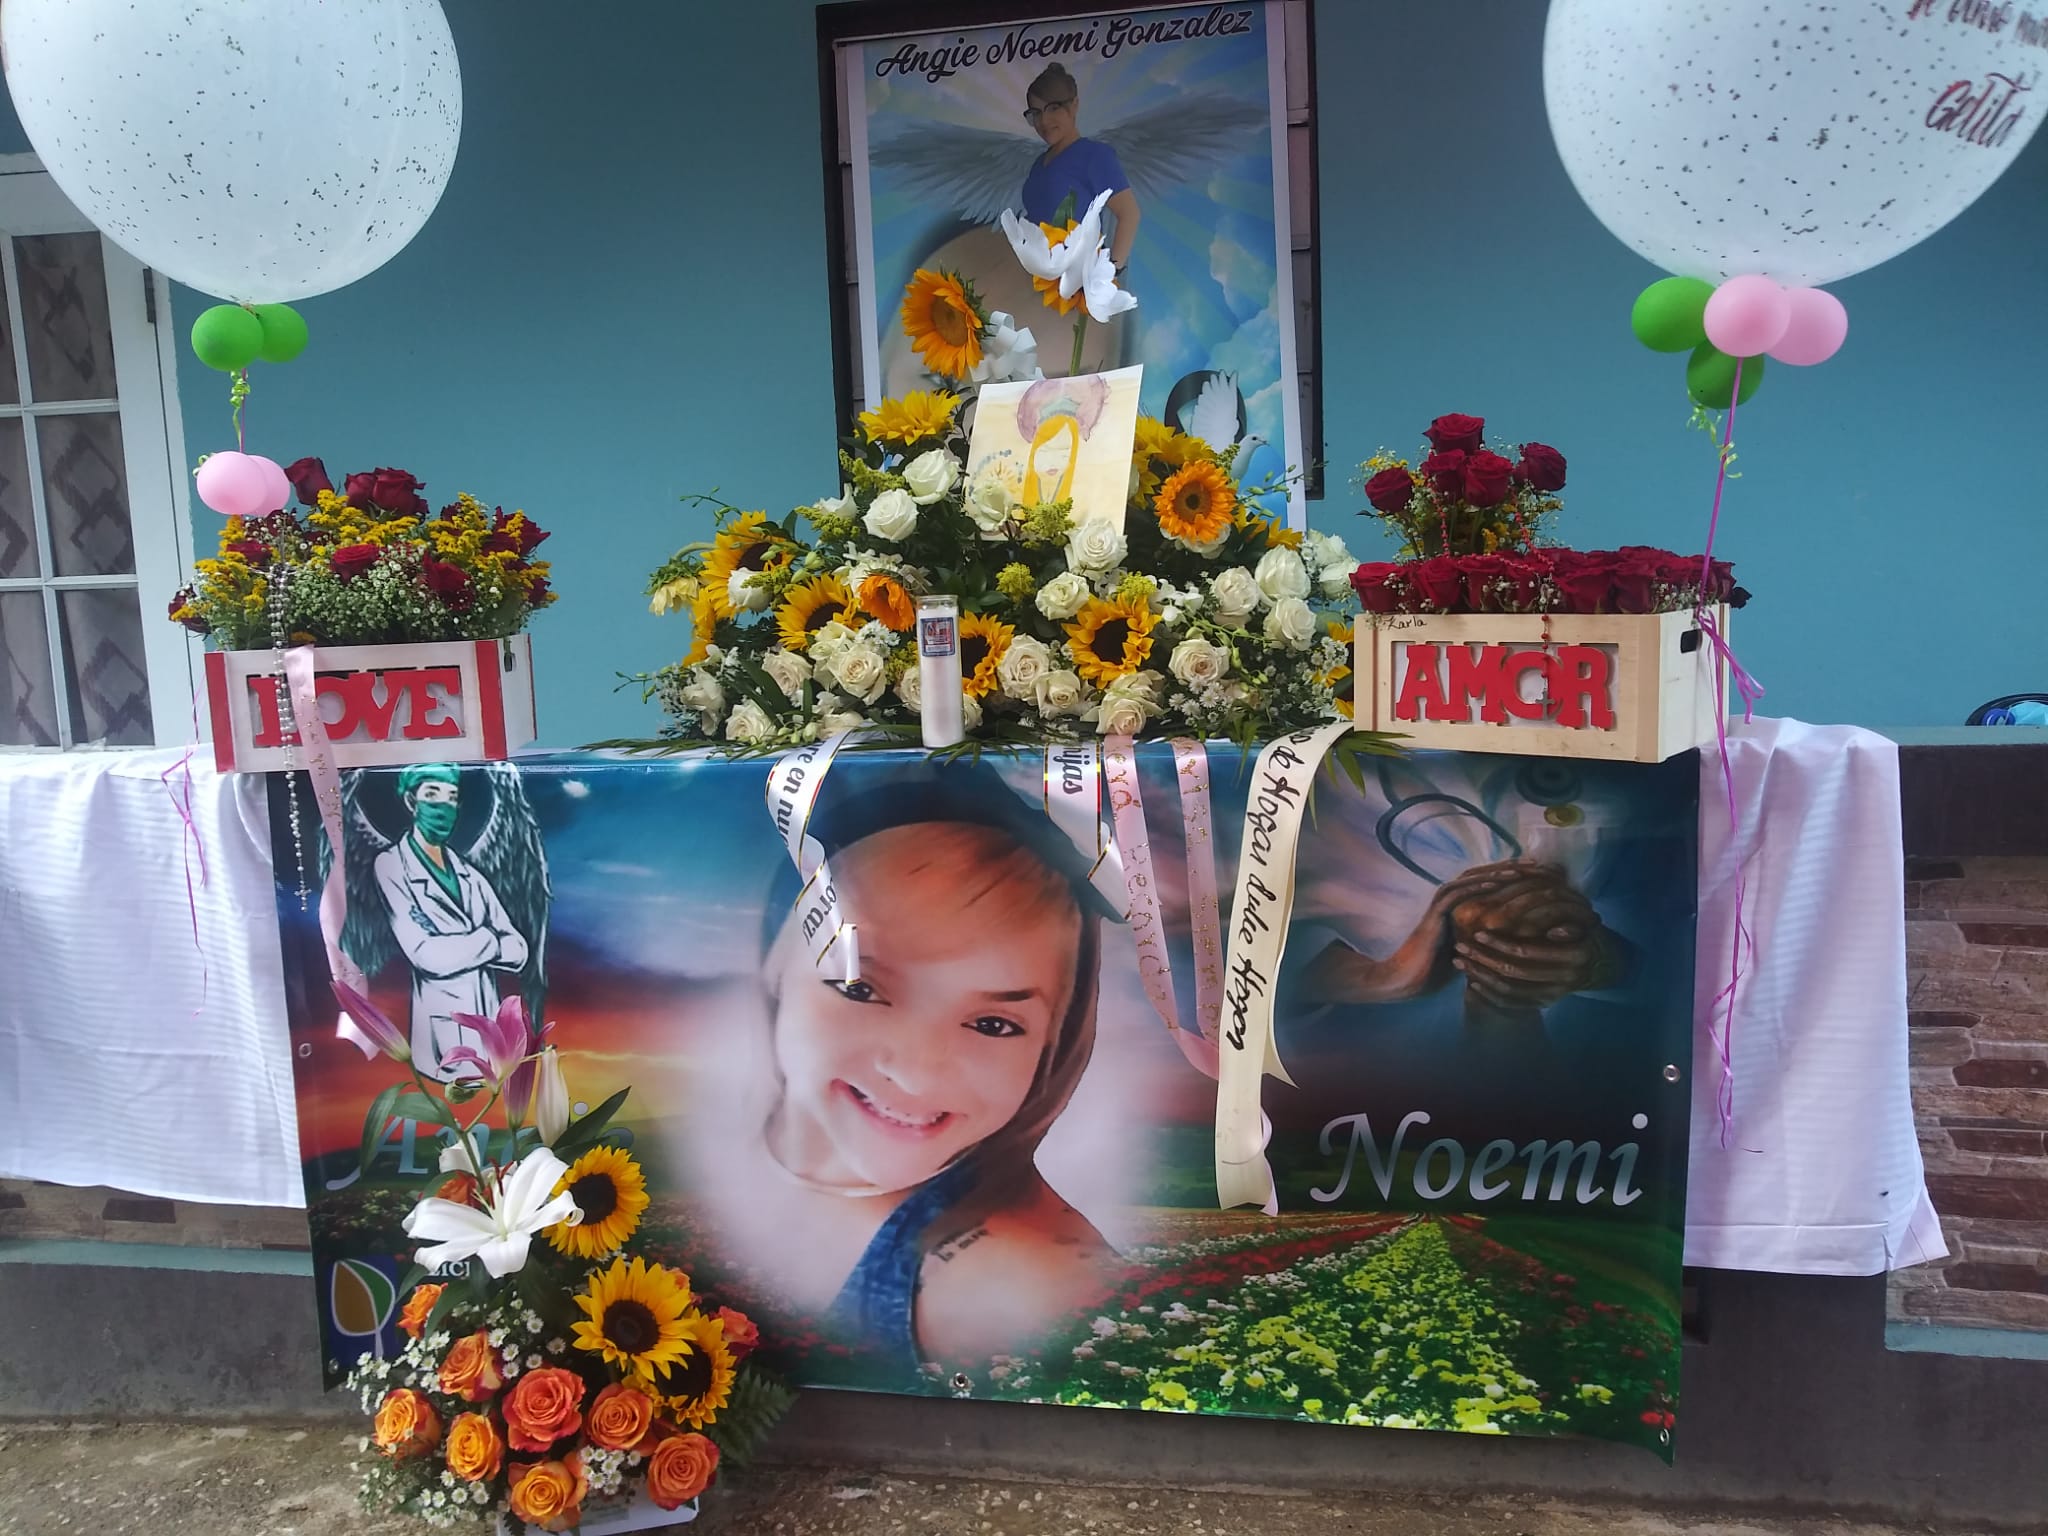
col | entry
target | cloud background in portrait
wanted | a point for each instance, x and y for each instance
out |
(1204, 267)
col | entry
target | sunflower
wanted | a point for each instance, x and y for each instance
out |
(1276, 534)
(1049, 287)
(1110, 640)
(916, 416)
(1196, 503)
(611, 1192)
(703, 623)
(697, 1383)
(1158, 451)
(1339, 679)
(943, 320)
(634, 1316)
(808, 607)
(983, 644)
(882, 597)
(748, 543)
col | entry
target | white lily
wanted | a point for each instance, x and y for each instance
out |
(521, 1203)
(1008, 351)
(1079, 261)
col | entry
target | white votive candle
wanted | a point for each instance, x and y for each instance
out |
(940, 699)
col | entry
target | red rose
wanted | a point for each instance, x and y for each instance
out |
(1486, 478)
(1522, 578)
(351, 560)
(254, 551)
(524, 539)
(1391, 489)
(1483, 575)
(445, 580)
(742, 1334)
(183, 601)
(537, 592)
(1462, 433)
(1445, 469)
(1636, 580)
(393, 490)
(308, 478)
(1371, 581)
(1542, 467)
(1439, 581)
(1585, 582)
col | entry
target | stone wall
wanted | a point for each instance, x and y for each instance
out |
(1977, 953)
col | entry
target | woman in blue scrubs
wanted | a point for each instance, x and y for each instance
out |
(1072, 165)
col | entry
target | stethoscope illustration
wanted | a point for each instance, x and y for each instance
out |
(1550, 783)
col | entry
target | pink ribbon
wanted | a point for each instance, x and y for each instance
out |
(1148, 930)
(1205, 922)
(318, 755)
(1742, 943)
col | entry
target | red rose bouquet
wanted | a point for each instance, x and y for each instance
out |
(1464, 498)
(1633, 579)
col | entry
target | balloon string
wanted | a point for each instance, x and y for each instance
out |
(1742, 942)
(237, 393)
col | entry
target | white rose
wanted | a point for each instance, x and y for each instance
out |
(1023, 664)
(1095, 546)
(891, 515)
(930, 475)
(832, 721)
(703, 694)
(789, 670)
(970, 712)
(1335, 564)
(1291, 624)
(1062, 597)
(910, 689)
(1236, 594)
(1281, 574)
(1336, 580)
(842, 505)
(1127, 704)
(1212, 544)
(990, 504)
(862, 670)
(744, 594)
(1059, 693)
(829, 642)
(1196, 661)
(749, 722)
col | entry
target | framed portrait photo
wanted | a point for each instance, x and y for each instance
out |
(1195, 122)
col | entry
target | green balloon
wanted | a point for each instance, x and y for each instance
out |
(284, 332)
(227, 337)
(1710, 377)
(1671, 314)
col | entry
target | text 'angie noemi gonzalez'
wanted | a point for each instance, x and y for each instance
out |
(1443, 1167)
(1104, 37)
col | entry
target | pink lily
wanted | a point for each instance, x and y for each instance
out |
(371, 1022)
(519, 1086)
(504, 1036)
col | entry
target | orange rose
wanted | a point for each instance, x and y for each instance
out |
(474, 1450)
(620, 1417)
(471, 1370)
(541, 1408)
(742, 1337)
(406, 1424)
(681, 1468)
(549, 1494)
(417, 1306)
(883, 597)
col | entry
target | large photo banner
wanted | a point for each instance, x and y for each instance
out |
(1178, 115)
(963, 1152)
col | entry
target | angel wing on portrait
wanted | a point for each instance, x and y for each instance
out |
(507, 851)
(977, 174)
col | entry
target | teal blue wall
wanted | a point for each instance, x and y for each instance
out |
(623, 298)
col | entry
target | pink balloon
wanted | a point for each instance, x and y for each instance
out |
(1819, 326)
(277, 490)
(1747, 315)
(235, 484)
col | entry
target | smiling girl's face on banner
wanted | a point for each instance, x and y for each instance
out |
(968, 952)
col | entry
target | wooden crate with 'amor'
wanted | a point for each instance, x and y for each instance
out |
(1628, 687)
(450, 701)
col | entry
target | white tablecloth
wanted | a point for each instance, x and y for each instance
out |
(128, 1060)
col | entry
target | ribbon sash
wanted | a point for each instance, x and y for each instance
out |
(1260, 908)
(1191, 765)
(300, 674)
(793, 786)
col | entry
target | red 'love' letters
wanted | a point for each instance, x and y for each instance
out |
(427, 716)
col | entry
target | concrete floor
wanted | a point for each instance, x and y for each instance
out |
(282, 1481)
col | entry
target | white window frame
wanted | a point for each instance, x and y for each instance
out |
(153, 450)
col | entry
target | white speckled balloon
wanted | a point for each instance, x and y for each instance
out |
(1802, 139)
(258, 150)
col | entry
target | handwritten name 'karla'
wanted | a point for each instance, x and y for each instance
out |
(1105, 37)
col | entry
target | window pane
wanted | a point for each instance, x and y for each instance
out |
(17, 515)
(103, 666)
(10, 386)
(64, 317)
(85, 491)
(28, 703)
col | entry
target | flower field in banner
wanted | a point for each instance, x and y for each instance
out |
(1398, 1322)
